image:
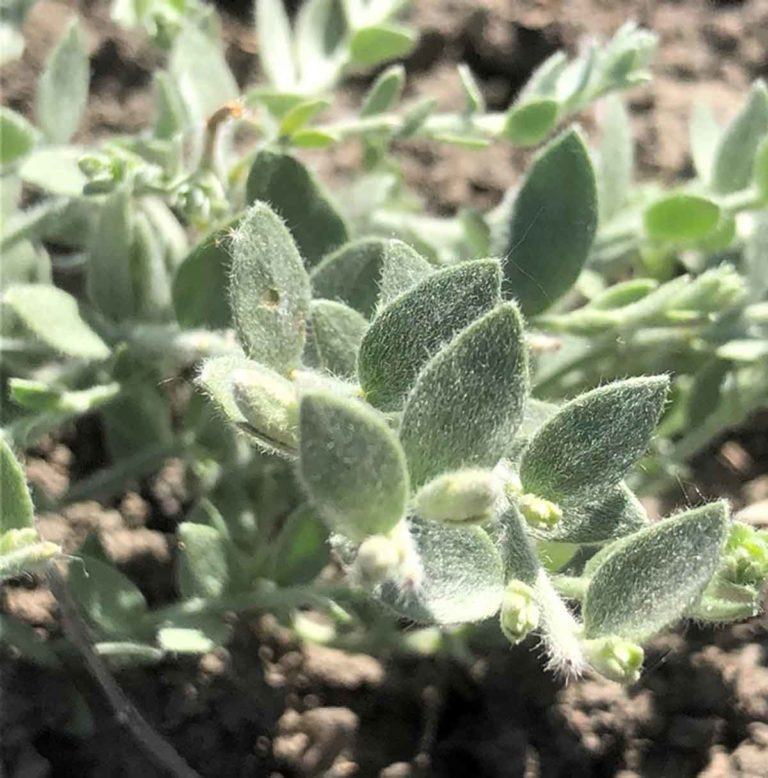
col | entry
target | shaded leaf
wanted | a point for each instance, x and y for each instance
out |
(333, 338)
(203, 569)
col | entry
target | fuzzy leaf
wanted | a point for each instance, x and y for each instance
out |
(352, 466)
(109, 277)
(463, 577)
(333, 338)
(373, 45)
(410, 330)
(16, 510)
(587, 447)
(469, 398)
(269, 290)
(203, 567)
(275, 44)
(62, 91)
(681, 217)
(655, 575)
(616, 514)
(17, 136)
(53, 316)
(384, 92)
(552, 225)
(530, 122)
(296, 195)
(111, 601)
(364, 271)
(215, 379)
(515, 548)
(735, 154)
(202, 280)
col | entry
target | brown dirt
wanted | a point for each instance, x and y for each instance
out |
(267, 706)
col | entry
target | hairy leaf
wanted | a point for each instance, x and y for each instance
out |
(410, 330)
(296, 195)
(352, 466)
(463, 577)
(587, 447)
(333, 338)
(469, 398)
(656, 574)
(269, 290)
(552, 225)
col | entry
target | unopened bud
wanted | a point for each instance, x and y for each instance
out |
(538, 512)
(519, 612)
(269, 403)
(712, 291)
(377, 559)
(615, 658)
(745, 559)
(461, 497)
(92, 165)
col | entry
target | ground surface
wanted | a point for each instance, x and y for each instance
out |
(268, 706)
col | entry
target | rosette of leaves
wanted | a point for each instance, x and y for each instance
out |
(448, 489)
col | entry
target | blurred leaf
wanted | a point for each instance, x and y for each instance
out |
(16, 510)
(530, 122)
(653, 576)
(275, 44)
(468, 400)
(384, 92)
(201, 73)
(320, 33)
(53, 316)
(615, 158)
(301, 550)
(109, 278)
(410, 330)
(681, 217)
(111, 601)
(17, 136)
(62, 92)
(301, 200)
(373, 45)
(269, 290)
(55, 170)
(201, 283)
(203, 569)
(300, 115)
(351, 465)
(552, 225)
(735, 154)
(704, 136)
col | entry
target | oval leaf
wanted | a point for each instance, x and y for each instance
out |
(17, 136)
(531, 122)
(352, 466)
(587, 447)
(372, 45)
(681, 217)
(410, 330)
(203, 567)
(553, 225)
(269, 290)
(654, 576)
(468, 400)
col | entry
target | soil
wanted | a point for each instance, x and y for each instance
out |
(268, 706)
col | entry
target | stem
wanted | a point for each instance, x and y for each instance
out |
(154, 745)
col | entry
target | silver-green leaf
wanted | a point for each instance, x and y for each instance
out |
(333, 337)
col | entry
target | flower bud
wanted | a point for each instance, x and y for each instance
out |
(377, 559)
(460, 497)
(710, 292)
(538, 512)
(745, 559)
(92, 165)
(519, 611)
(615, 658)
(269, 403)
